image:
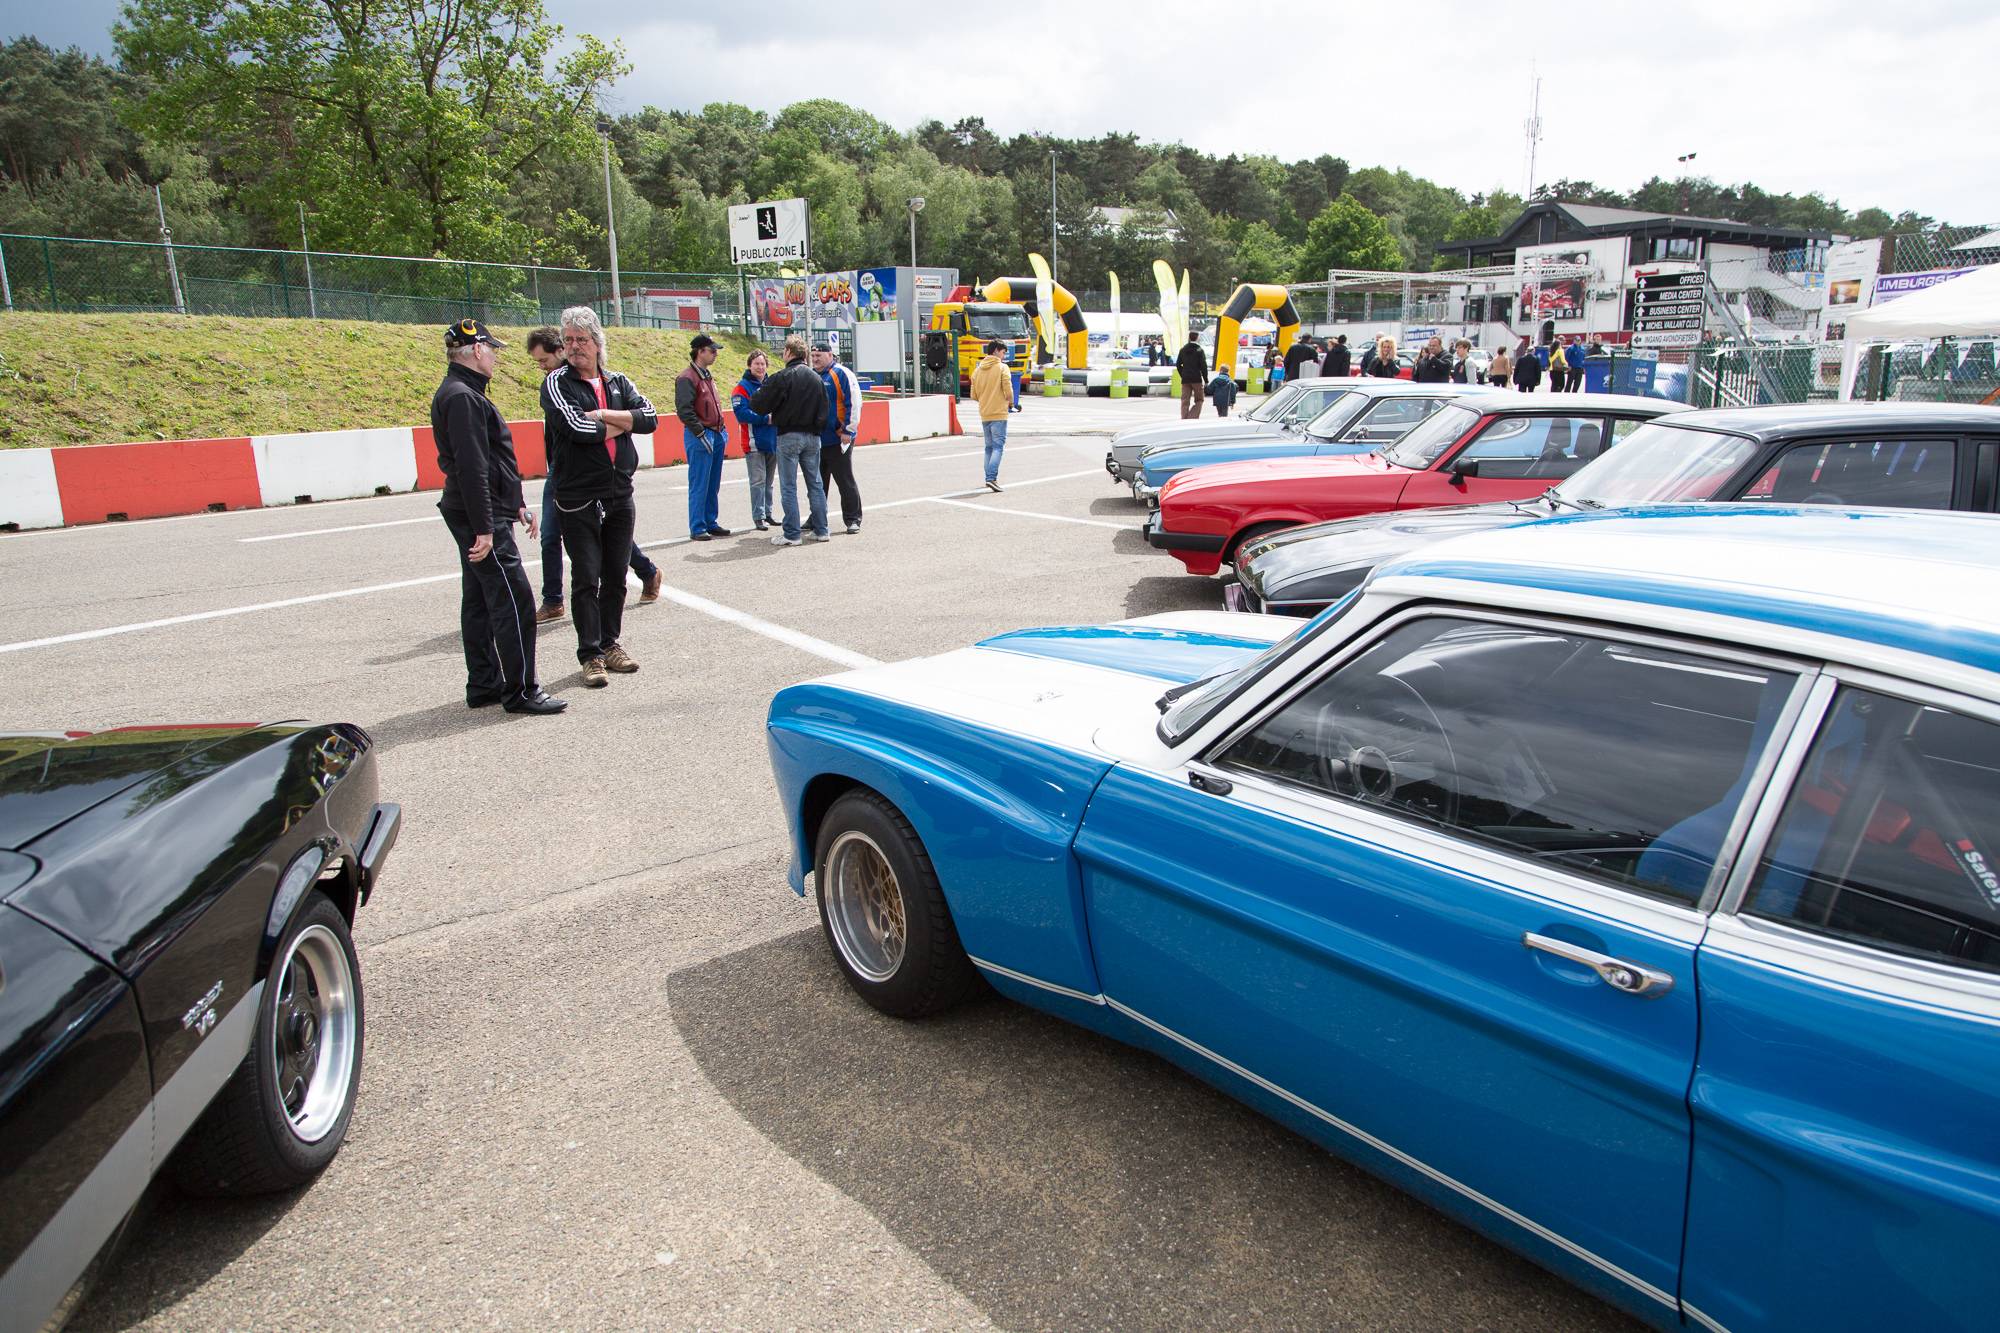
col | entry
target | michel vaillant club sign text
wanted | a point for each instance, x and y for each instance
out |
(1671, 310)
(773, 232)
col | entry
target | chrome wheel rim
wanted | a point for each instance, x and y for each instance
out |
(864, 906)
(314, 1037)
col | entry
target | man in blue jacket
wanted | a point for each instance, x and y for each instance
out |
(836, 438)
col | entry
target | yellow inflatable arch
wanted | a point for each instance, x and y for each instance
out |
(1254, 296)
(1021, 292)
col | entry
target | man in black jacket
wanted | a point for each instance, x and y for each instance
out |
(481, 503)
(1296, 358)
(1193, 368)
(1433, 366)
(795, 400)
(589, 415)
(1339, 360)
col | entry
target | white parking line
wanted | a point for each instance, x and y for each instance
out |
(832, 652)
(981, 453)
(705, 606)
(1028, 513)
(351, 527)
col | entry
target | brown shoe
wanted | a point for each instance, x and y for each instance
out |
(593, 674)
(550, 611)
(617, 659)
(651, 592)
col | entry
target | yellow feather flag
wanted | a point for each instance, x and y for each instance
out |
(1045, 302)
(1170, 302)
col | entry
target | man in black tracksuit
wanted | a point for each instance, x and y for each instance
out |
(589, 415)
(481, 503)
(1302, 352)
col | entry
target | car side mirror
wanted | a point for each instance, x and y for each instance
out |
(1463, 468)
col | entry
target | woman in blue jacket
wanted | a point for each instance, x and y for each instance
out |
(760, 438)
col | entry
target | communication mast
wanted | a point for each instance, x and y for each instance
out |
(1533, 126)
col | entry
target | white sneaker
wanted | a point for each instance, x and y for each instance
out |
(782, 540)
(818, 537)
(853, 528)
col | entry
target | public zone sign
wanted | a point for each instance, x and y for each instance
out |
(773, 232)
(1672, 310)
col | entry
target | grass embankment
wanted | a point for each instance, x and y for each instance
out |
(108, 379)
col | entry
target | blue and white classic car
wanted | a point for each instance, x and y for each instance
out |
(1623, 885)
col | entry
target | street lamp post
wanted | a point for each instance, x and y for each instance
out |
(611, 220)
(1683, 160)
(909, 298)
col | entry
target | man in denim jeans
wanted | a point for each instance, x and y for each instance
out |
(795, 401)
(993, 391)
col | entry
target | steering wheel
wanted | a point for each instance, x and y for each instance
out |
(1388, 751)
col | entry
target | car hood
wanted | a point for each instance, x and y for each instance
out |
(1062, 684)
(1130, 443)
(1290, 559)
(47, 779)
(1280, 472)
(1159, 464)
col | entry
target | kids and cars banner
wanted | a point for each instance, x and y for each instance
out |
(875, 296)
(831, 299)
(778, 303)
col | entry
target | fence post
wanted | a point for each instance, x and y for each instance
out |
(285, 283)
(305, 248)
(535, 271)
(49, 267)
(6, 287)
(468, 287)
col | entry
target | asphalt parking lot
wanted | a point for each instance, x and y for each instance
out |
(612, 1077)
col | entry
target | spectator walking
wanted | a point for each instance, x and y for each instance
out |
(700, 413)
(1433, 366)
(1385, 366)
(480, 503)
(1527, 371)
(760, 438)
(1575, 354)
(795, 401)
(1339, 359)
(545, 345)
(1222, 392)
(589, 416)
(1303, 353)
(1462, 369)
(1192, 366)
(837, 435)
(1500, 371)
(991, 391)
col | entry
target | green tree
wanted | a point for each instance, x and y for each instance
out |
(1348, 235)
(405, 128)
(1263, 256)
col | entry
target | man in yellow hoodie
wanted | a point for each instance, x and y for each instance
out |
(993, 390)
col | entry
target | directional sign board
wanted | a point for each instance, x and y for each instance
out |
(773, 232)
(1671, 311)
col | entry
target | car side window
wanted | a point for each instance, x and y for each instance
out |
(1891, 835)
(1388, 418)
(1620, 761)
(1909, 474)
(1311, 403)
(1551, 447)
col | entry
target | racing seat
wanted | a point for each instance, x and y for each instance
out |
(1554, 460)
(1681, 858)
(1589, 441)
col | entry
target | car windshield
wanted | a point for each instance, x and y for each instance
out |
(1338, 416)
(1273, 408)
(997, 324)
(1186, 707)
(1659, 463)
(1421, 447)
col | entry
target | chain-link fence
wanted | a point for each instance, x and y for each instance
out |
(54, 273)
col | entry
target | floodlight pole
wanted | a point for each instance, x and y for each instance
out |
(610, 219)
(167, 239)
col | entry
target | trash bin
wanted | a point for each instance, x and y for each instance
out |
(1597, 374)
(1120, 385)
(1256, 381)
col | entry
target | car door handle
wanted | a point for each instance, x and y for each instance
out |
(1617, 973)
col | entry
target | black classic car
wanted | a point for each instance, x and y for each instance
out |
(178, 986)
(1891, 455)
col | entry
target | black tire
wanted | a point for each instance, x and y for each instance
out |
(1250, 534)
(255, 1138)
(927, 971)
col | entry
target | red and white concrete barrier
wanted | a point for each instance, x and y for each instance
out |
(53, 488)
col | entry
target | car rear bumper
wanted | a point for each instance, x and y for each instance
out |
(1161, 539)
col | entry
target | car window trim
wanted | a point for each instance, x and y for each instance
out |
(1807, 676)
(1985, 475)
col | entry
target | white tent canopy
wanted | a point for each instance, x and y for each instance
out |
(1968, 306)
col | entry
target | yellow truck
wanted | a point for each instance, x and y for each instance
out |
(975, 323)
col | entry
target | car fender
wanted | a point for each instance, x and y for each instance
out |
(997, 813)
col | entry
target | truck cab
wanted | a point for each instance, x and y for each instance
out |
(973, 324)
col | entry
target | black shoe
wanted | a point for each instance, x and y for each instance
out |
(697, 536)
(535, 701)
(719, 532)
(762, 526)
(483, 698)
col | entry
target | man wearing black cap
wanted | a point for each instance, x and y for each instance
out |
(702, 439)
(481, 503)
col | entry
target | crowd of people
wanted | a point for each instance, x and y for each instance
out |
(802, 420)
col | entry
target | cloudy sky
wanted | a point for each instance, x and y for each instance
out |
(1869, 103)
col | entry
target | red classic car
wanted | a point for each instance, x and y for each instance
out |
(1476, 448)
